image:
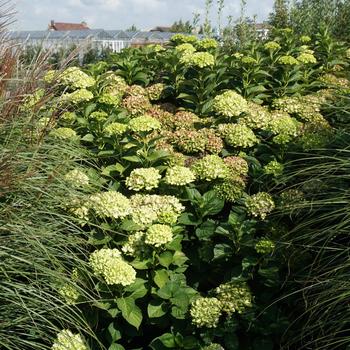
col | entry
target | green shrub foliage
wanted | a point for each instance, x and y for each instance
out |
(189, 142)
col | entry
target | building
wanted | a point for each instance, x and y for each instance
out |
(262, 29)
(61, 26)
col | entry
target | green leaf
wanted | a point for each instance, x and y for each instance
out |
(179, 258)
(161, 277)
(168, 340)
(222, 250)
(137, 289)
(88, 138)
(133, 159)
(116, 347)
(211, 204)
(206, 230)
(156, 309)
(89, 109)
(168, 290)
(130, 311)
(166, 258)
(113, 333)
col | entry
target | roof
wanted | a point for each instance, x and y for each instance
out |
(60, 35)
(61, 26)
(161, 29)
(262, 26)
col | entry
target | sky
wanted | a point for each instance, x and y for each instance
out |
(121, 14)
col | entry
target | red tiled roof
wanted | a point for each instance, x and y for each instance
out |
(67, 26)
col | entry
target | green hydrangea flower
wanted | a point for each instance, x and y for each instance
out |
(77, 96)
(274, 168)
(68, 117)
(76, 78)
(115, 129)
(64, 134)
(66, 340)
(155, 91)
(148, 209)
(185, 48)
(234, 297)
(284, 126)
(248, 60)
(158, 235)
(210, 167)
(110, 265)
(69, 293)
(110, 99)
(213, 346)
(143, 179)
(306, 58)
(198, 59)
(265, 246)
(238, 135)
(288, 60)
(260, 205)
(135, 244)
(110, 204)
(305, 39)
(183, 38)
(77, 178)
(237, 166)
(272, 46)
(144, 123)
(230, 190)
(206, 312)
(179, 176)
(207, 43)
(256, 117)
(230, 104)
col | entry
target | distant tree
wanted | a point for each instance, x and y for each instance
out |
(279, 18)
(133, 28)
(182, 27)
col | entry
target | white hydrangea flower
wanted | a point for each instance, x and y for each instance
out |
(179, 176)
(66, 340)
(110, 204)
(143, 179)
(158, 235)
(205, 312)
(77, 178)
(109, 264)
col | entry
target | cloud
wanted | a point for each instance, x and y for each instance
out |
(120, 14)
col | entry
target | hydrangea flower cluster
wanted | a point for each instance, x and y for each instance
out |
(238, 135)
(274, 168)
(77, 178)
(68, 117)
(136, 90)
(114, 84)
(148, 209)
(109, 264)
(248, 60)
(205, 312)
(77, 96)
(99, 116)
(66, 340)
(333, 81)
(69, 293)
(198, 59)
(158, 235)
(207, 43)
(305, 39)
(110, 204)
(143, 179)
(230, 190)
(185, 48)
(290, 199)
(257, 117)
(265, 246)
(136, 105)
(115, 129)
(210, 167)
(260, 205)
(234, 297)
(110, 99)
(144, 123)
(230, 104)
(75, 78)
(306, 58)
(155, 91)
(272, 46)
(183, 119)
(213, 346)
(179, 176)
(31, 100)
(182, 38)
(189, 141)
(64, 134)
(288, 60)
(135, 244)
(306, 108)
(237, 166)
(284, 126)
